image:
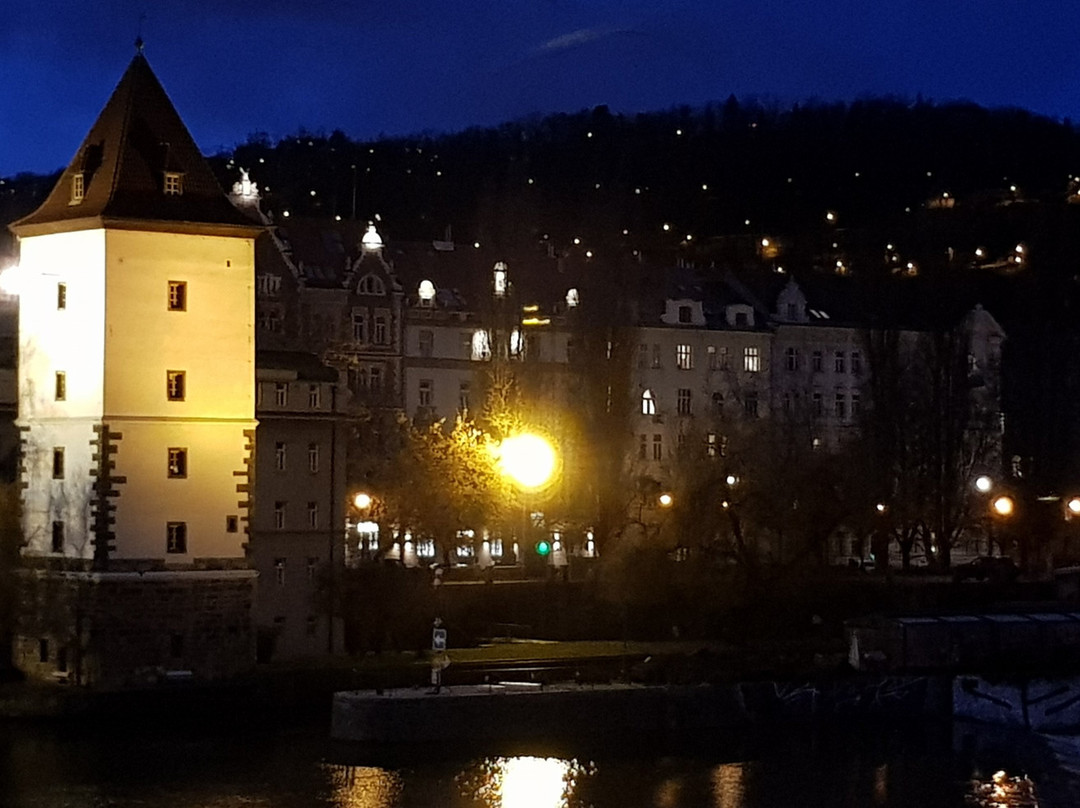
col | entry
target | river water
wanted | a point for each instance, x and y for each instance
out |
(162, 766)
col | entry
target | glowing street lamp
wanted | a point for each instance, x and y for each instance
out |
(362, 501)
(665, 500)
(1003, 506)
(527, 459)
(983, 484)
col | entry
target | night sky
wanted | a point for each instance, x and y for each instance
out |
(234, 67)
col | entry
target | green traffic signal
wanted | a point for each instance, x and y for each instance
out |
(543, 548)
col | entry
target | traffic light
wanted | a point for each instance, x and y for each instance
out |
(543, 548)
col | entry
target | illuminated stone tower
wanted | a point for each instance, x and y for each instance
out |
(136, 376)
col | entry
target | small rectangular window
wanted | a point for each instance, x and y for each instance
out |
(58, 537)
(838, 362)
(840, 407)
(657, 447)
(792, 356)
(725, 358)
(78, 187)
(816, 362)
(751, 359)
(61, 296)
(382, 330)
(426, 394)
(279, 571)
(359, 325)
(643, 356)
(232, 524)
(174, 183)
(58, 463)
(61, 386)
(684, 358)
(176, 537)
(279, 515)
(175, 386)
(313, 514)
(281, 394)
(683, 401)
(313, 458)
(314, 396)
(177, 295)
(312, 567)
(426, 342)
(279, 456)
(177, 462)
(750, 404)
(656, 356)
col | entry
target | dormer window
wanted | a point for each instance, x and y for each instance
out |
(78, 187)
(174, 183)
(425, 292)
(371, 285)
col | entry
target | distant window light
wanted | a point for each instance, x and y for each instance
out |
(61, 296)
(464, 390)
(517, 342)
(648, 403)
(174, 183)
(500, 279)
(426, 292)
(684, 357)
(710, 353)
(572, 298)
(751, 359)
(177, 295)
(481, 345)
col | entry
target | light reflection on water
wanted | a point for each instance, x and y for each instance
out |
(362, 786)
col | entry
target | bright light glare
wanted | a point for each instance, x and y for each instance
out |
(983, 484)
(665, 500)
(1003, 506)
(528, 459)
(1074, 505)
(533, 781)
(13, 279)
(362, 500)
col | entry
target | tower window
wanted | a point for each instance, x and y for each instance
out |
(78, 188)
(279, 515)
(58, 463)
(176, 537)
(313, 458)
(177, 462)
(175, 385)
(313, 514)
(174, 183)
(279, 456)
(232, 524)
(61, 296)
(61, 386)
(177, 295)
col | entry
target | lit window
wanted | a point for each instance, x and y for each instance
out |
(426, 392)
(711, 445)
(174, 183)
(60, 389)
(177, 462)
(314, 396)
(281, 394)
(279, 515)
(839, 362)
(58, 537)
(683, 401)
(313, 514)
(572, 298)
(177, 295)
(751, 359)
(500, 279)
(58, 463)
(313, 458)
(426, 293)
(683, 357)
(176, 537)
(648, 403)
(481, 345)
(426, 341)
(657, 447)
(279, 456)
(78, 188)
(175, 387)
(279, 571)
(61, 296)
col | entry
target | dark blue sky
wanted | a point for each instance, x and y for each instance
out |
(237, 66)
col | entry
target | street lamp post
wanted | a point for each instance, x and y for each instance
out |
(530, 462)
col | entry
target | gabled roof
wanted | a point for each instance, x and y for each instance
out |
(136, 139)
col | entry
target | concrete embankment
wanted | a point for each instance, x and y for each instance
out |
(503, 711)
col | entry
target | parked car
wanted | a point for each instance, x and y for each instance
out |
(997, 569)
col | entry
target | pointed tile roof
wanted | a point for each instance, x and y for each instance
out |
(137, 138)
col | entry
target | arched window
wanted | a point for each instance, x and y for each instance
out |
(572, 298)
(371, 285)
(426, 293)
(648, 403)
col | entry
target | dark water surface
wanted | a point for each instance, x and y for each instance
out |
(160, 766)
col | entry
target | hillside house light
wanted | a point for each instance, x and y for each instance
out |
(527, 459)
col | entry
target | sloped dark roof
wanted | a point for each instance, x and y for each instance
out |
(137, 137)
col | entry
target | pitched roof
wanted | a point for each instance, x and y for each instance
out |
(136, 139)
